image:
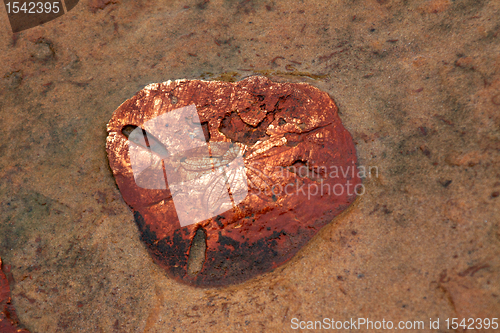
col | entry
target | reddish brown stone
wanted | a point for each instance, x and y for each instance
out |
(290, 134)
(8, 317)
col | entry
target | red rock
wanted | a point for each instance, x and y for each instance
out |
(8, 317)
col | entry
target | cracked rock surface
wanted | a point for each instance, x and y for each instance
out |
(290, 144)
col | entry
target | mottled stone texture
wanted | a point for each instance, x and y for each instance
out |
(8, 317)
(416, 83)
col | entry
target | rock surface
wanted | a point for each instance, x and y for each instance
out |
(416, 83)
(8, 317)
(299, 173)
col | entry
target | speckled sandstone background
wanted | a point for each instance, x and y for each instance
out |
(417, 84)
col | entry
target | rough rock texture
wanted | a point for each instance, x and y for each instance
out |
(417, 84)
(300, 171)
(8, 317)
